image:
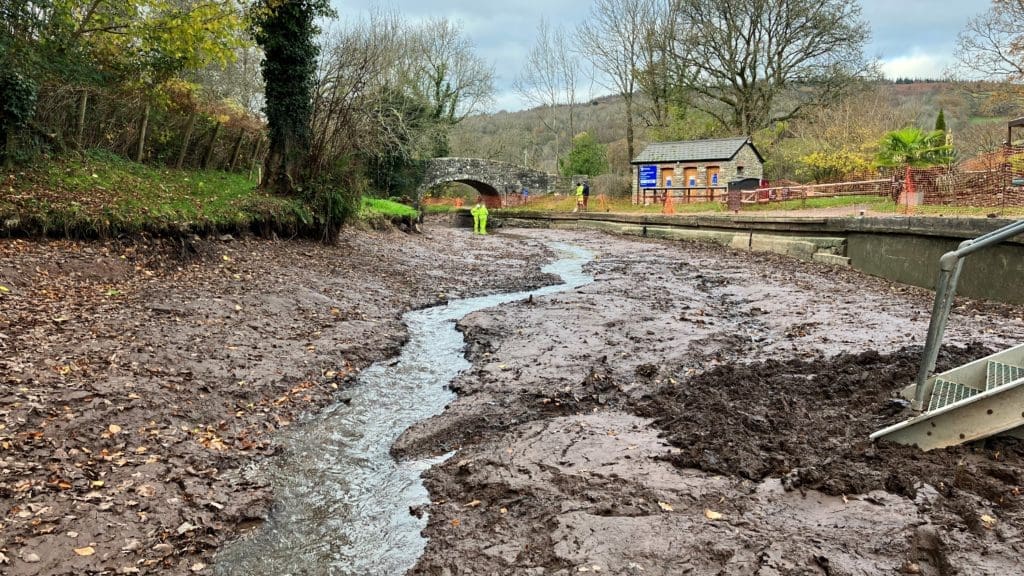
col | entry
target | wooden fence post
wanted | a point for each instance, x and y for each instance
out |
(188, 139)
(83, 104)
(139, 153)
(209, 149)
(237, 150)
(255, 155)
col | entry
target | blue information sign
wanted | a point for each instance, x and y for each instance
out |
(648, 175)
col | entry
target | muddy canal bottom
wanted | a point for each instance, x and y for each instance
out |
(343, 503)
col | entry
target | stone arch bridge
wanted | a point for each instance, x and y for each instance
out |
(494, 180)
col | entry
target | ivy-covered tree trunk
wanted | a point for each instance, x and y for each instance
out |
(286, 30)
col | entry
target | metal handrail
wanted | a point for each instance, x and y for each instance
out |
(950, 266)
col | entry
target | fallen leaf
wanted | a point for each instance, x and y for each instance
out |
(456, 522)
(4, 289)
(665, 506)
(989, 521)
(503, 510)
(31, 558)
(712, 515)
(198, 567)
(473, 504)
(114, 429)
(86, 551)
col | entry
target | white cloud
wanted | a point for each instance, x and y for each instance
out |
(917, 64)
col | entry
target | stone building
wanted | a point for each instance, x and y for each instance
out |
(694, 170)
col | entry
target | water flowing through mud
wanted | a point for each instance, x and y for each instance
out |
(343, 503)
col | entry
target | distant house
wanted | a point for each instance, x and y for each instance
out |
(694, 170)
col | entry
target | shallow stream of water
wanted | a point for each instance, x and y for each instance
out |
(343, 502)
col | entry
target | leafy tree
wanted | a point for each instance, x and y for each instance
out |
(915, 148)
(753, 63)
(940, 121)
(286, 30)
(586, 157)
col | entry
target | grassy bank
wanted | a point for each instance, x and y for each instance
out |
(98, 194)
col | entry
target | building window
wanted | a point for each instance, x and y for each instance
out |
(739, 170)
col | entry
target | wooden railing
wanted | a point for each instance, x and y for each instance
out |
(685, 195)
(879, 187)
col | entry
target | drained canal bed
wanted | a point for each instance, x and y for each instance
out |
(343, 503)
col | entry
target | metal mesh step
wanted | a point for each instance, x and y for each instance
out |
(945, 393)
(999, 374)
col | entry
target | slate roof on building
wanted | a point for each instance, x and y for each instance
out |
(693, 151)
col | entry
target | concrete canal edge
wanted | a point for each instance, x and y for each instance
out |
(904, 249)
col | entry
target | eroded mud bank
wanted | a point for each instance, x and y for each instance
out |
(702, 411)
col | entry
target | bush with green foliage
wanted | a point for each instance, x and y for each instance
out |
(17, 105)
(586, 157)
(833, 166)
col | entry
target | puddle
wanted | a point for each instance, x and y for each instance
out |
(342, 502)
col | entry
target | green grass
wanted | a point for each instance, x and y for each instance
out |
(377, 207)
(874, 203)
(101, 194)
(439, 208)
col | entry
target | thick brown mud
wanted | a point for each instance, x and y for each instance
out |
(139, 377)
(702, 411)
(695, 410)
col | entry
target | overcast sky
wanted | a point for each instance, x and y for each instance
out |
(912, 38)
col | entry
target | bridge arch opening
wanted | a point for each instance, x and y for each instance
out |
(490, 194)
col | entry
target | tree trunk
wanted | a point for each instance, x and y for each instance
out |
(281, 167)
(7, 141)
(83, 105)
(140, 152)
(629, 128)
(209, 149)
(187, 140)
(236, 151)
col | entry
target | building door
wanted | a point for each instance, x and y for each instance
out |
(713, 172)
(667, 176)
(690, 175)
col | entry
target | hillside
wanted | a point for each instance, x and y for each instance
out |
(975, 113)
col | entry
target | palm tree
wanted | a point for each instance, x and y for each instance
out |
(915, 148)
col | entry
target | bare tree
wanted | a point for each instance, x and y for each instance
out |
(612, 39)
(455, 80)
(550, 79)
(239, 80)
(752, 63)
(389, 93)
(991, 45)
(657, 74)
